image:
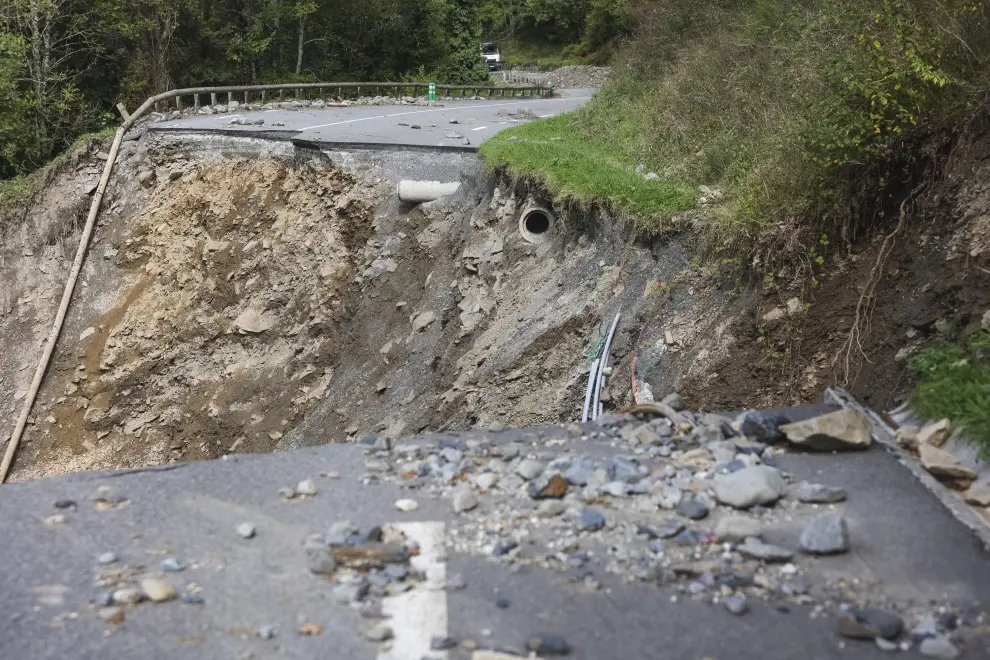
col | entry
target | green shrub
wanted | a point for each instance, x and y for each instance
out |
(954, 382)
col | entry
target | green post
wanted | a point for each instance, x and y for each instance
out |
(432, 95)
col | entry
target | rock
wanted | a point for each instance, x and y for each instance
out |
(674, 400)
(172, 565)
(592, 520)
(127, 596)
(107, 558)
(369, 555)
(529, 469)
(938, 647)
(626, 469)
(870, 623)
(486, 480)
(543, 644)
(553, 487)
(421, 321)
(550, 508)
(818, 494)
(246, 530)
(761, 425)
(306, 488)
(978, 494)
(844, 429)
(827, 534)
(406, 505)
(744, 488)
(692, 508)
(885, 645)
(253, 322)
(318, 558)
(267, 632)
(736, 605)
(737, 528)
(112, 614)
(158, 591)
(943, 465)
(464, 500)
(757, 549)
(580, 471)
(647, 435)
(907, 437)
(935, 434)
(379, 633)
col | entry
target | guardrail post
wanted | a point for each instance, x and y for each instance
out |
(158, 106)
(213, 98)
(196, 101)
(178, 103)
(281, 94)
(247, 97)
(264, 93)
(319, 93)
(359, 91)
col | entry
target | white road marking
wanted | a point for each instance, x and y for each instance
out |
(480, 128)
(464, 107)
(420, 614)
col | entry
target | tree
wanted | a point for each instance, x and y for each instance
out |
(463, 64)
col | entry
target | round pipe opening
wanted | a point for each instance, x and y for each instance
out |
(535, 224)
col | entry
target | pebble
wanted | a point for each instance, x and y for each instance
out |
(543, 644)
(191, 598)
(592, 520)
(827, 534)
(938, 647)
(318, 559)
(112, 614)
(57, 519)
(172, 565)
(501, 602)
(107, 558)
(465, 500)
(818, 494)
(158, 591)
(486, 480)
(406, 505)
(692, 508)
(548, 487)
(286, 493)
(550, 508)
(529, 469)
(128, 596)
(442, 643)
(504, 548)
(379, 633)
(65, 504)
(456, 582)
(267, 632)
(885, 645)
(306, 487)
(246, 530)
(736, 605)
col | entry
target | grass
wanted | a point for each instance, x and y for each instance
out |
(22, 188)
(582, 168)
(954, 382)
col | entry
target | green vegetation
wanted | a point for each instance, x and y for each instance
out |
(796, 111)
(954, 382)
(580, 166)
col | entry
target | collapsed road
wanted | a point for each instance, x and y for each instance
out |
(631, 537)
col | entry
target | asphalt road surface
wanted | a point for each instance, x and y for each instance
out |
(903, 539)
(396, 124)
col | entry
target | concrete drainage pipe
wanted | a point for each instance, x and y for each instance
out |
(535, 224)
(417, 192)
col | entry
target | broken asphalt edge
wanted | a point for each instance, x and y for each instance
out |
(288, 136)
(885, 435)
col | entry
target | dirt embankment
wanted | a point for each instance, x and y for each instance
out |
(244, 297)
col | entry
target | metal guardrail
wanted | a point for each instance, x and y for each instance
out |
(397, 90)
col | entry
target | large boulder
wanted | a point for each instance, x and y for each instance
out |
(759, 484)
(845, 429)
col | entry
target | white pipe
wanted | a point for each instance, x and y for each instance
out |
(587, 394)
(70, 287)
(601, 367)
(416, 192)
